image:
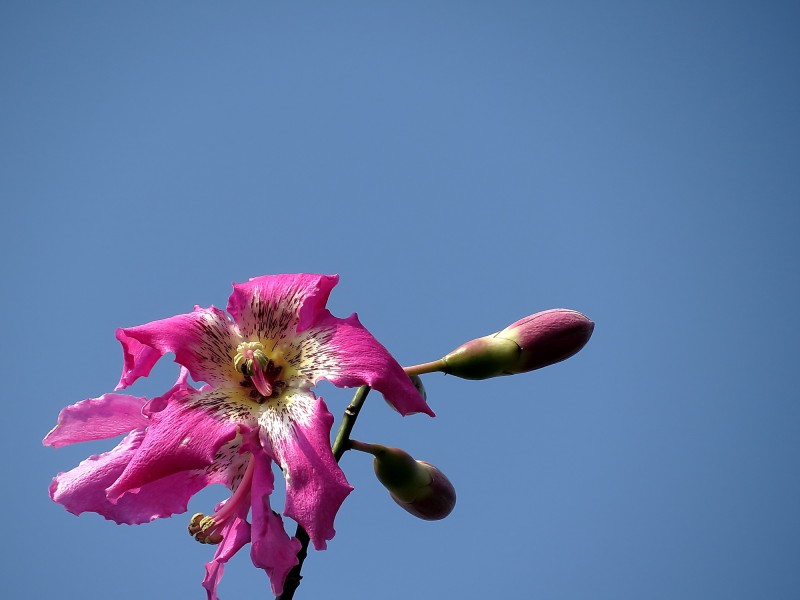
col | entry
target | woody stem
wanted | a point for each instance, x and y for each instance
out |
(340, 446)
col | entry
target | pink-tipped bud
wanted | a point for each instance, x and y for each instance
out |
(436, 500)
(531, 343)
(417, 486)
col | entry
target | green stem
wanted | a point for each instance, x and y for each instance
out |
(362, 447)
(429, 367)
(341, 442)
(340, 445)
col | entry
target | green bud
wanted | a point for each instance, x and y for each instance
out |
(531, 343)
(417, 486)
(435, 501)
(399, 472)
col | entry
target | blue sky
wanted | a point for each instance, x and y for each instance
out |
(460, 165)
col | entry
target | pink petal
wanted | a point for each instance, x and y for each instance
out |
(185, 435)
(159, 403)
(137, 359)
(299, 437)
(235, 534)
(100, 418)
(203, 341)
(275, 306)
(345, 353)
(272, 548)
(84, 488)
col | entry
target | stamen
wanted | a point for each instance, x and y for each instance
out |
(194, 523)
(248, 355)
(207, 530)
(204, 529)
(252, 361)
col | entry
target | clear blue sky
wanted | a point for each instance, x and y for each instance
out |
(460, 165)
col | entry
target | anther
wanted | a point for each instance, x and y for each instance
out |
(194, 523)
(203, 529)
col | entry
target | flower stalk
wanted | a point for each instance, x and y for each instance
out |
(418, 487)
(429, 367)
(536, 341)
(340, 445)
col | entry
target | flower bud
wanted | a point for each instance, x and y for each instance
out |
(531, 343)
(436, 500)
(417, 486)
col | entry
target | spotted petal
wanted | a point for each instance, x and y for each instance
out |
(278, 306)
(100, 418)
(346, 354)
(298, 435)
(203, 341)
(84, 488)
(290, 311)
(186, 434)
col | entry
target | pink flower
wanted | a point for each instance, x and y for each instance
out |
(259, 366)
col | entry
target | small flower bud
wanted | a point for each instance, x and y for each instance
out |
(531, 343)
(417, 486)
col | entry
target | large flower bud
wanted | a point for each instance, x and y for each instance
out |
(417, 486)
(531, 343)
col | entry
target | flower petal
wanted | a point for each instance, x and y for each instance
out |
(277, 306)
(298, 435)
(235, 534)
(272, 548)
(203, 341)
(159, 403)
(100, 418)
(346, 354)
(186, 434)
(84, 488)
(137, 359)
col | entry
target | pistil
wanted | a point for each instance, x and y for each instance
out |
(252, 361)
